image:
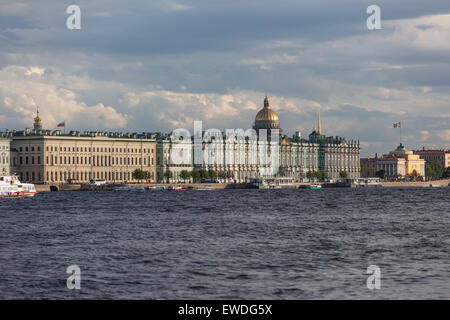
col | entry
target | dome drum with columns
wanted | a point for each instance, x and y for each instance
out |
(266, 118)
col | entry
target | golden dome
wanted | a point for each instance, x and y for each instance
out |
(285, 141)
(266, 114)
(37, 119)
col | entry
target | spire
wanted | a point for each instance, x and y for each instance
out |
(319, 129)
(266, 102)
(37, 120)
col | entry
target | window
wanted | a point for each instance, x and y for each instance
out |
(39, 161)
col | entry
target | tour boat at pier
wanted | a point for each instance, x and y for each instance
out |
(176, 188)
(11, 187)
(311, 186)
(155, 188)
(200, 188)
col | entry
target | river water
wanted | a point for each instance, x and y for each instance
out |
(227, 244)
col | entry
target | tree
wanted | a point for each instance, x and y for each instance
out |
(168, 175)
(139, 174)
(204, 174)
(323, 175)
(414, 175)
(433, 170)
(381, 174)
(362, 171)
(196, 175)
(212, 174)
(185, 175)
(446, 173)
(343, 174)
(310, 175)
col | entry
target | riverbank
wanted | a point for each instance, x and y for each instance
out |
(434, 183)
(80, 187)
(221, 186)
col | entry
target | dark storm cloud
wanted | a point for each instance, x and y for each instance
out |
(137, 27)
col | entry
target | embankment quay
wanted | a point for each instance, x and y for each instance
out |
(219, 186)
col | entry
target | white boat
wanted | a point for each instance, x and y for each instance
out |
(11, 187)
(200, 188)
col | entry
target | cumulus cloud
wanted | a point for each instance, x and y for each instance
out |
(24, 89)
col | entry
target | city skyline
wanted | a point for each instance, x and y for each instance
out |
(164, 66)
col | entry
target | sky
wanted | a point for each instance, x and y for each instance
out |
(138, 66)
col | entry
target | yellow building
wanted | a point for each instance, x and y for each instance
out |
(49, 157)
(397, 164)
(413, 162)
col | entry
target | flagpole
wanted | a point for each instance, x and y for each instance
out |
(400, 133)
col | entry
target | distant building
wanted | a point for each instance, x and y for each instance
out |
(51, 157)
(397, 164)
(5, 156)
(295, 156)
(172, 157)
(440, 156)
(369, 167)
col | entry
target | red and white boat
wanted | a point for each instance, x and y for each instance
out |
(11, 187)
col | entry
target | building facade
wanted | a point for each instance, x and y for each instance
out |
(167, 168)
(396, 164)
(51, 157)
(369, 167)
(5, 156)
(440, 156)
(241, 157)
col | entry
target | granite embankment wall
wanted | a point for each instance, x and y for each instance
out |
(75, 187)
(434, 183)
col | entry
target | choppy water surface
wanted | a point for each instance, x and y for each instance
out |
(275, 244)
